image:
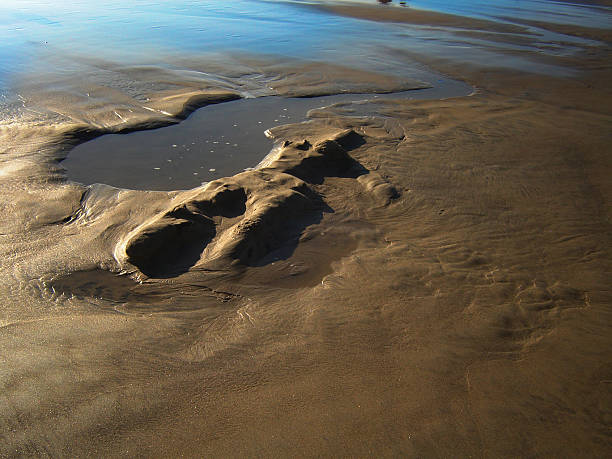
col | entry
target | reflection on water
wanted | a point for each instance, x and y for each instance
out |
(33, 33)
(111, 28)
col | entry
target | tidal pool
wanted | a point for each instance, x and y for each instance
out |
(215, 141)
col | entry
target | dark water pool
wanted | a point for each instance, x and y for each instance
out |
(215, 141)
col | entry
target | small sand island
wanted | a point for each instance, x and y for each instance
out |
(417, 263)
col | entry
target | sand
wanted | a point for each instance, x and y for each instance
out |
(414, 278)
(419, 17)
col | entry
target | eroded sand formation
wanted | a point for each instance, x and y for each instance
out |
(397, 278)
(245, 217)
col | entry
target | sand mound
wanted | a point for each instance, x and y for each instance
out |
(246, 217)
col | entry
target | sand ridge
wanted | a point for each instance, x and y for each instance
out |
(272, 203)
(420, 17)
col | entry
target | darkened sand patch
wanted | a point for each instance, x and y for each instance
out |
(420, 17)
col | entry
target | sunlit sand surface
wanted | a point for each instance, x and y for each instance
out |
(413, 259)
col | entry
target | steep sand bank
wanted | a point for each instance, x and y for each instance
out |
(417, 278)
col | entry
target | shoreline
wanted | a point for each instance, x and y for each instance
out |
(415, 278)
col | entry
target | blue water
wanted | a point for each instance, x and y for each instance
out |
(45, 43)
(147, 31)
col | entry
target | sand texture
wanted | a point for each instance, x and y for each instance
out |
(420, 17)
(396, 278)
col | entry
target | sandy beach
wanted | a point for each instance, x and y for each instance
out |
(397, 277)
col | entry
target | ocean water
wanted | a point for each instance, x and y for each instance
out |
(75, 48)
(58, 38)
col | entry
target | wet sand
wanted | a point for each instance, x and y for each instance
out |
(417, 278)
(420, 17)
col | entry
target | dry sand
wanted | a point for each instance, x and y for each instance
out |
(432, 281)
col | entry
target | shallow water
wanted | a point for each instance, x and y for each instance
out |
(52, 40)
(216, 141)
(32, 32)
